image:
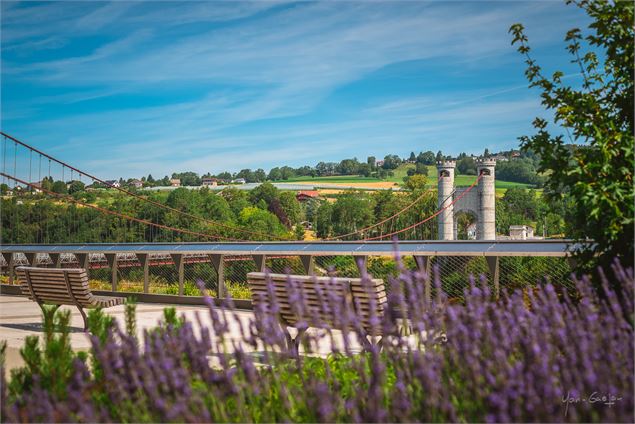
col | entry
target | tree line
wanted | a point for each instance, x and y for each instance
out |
(518, 167)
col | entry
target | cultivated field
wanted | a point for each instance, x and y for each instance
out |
(397, 178)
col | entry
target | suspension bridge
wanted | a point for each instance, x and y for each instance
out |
(152, 248)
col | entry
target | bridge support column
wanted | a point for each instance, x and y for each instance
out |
(145, 263)
(494, 271)
(260, 262)
(83, 260)
(218, 261)
(56, 258)
(424, 264)
(309, 263)
(30, 257)
(112, 263)
(9, 258)
(180, 266)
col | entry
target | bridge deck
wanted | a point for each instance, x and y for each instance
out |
(380, 248)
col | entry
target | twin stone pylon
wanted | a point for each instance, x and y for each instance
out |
(480, 201)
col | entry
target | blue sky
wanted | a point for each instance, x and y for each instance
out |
(131, 88)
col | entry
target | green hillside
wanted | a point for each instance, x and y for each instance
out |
(401, 172)
(334, 179)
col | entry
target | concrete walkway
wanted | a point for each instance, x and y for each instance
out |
(20, 317)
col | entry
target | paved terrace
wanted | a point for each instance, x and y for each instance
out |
(20, 317)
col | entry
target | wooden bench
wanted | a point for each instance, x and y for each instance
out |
(367, 299)
(58, 286)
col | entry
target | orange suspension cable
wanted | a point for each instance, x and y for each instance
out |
(107, 211)
(430, 217)
(385, 220)
(161, 205)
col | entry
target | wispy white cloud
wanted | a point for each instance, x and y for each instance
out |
(255, 62)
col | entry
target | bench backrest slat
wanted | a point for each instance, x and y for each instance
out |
(49, 285)
(368, 298)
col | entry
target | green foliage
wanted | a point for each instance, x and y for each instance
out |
(351, 212)
(520, 206)
(426, 158)
(466, 166)
(187, 178)
(238, 290)
(598, 175)
(520, 171)
(52, 362)
(266, 191)
(75, 187)
(99, 324)
(130, 317)
(391, 162)
(299, 232)
(291, 207)
(171, 319)
(42, 218)
(59, 187)
(324, 223)
(416, 182)
(260, 220)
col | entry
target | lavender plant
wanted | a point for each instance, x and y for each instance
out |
(533, 355)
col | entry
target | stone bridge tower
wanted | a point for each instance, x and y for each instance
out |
(480, 201)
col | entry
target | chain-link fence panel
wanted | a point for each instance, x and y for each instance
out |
(455, 272)
(285, 265)
(129, 276)
(99, 271)
(336, 266)
(163, 276)
(163, 272)
(236, 270)
(523, 272)
(199, 268)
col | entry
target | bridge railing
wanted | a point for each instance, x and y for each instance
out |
(169, 272)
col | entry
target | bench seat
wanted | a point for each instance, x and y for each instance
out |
(62, 286)
(367, 298)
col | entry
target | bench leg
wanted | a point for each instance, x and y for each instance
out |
(380, 343)
(368, 344)
(294, 343)
(81, 311)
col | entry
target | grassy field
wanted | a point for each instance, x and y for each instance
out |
(399, 174)
(335, 179)
(459, 180)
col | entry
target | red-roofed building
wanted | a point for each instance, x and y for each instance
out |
(306, 195)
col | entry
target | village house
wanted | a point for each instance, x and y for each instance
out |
(306, 195)
(36, 187)
(521, 232)
(136, 183)
(209, 182)
(175, 182)
(113, 183)
(239, 181)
